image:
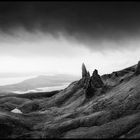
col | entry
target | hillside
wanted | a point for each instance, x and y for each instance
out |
(95, 106)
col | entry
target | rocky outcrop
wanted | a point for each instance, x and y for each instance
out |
(137, 71)
(90, 84)
(95, 82)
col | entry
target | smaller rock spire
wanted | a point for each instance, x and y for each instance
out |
(95, 73)
(94, 83)
(96, 80)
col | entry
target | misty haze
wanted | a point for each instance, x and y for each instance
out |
(69, 69)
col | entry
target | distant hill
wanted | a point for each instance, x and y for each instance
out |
(39, 82)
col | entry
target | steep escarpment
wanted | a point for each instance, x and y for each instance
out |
(96, 106)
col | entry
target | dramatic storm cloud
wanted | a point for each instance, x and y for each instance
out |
(87, 21)
(56, 37)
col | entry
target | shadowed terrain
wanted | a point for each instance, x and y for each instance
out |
(95, 106)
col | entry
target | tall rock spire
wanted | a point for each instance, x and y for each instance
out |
(84, 70)
(84, 81)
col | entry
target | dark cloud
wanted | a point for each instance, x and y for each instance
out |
(83, 20)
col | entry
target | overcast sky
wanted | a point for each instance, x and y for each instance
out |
(56, 37)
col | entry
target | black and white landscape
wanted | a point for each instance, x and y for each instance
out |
(69, 69)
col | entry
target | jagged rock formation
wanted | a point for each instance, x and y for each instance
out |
(90, 84)
(81, 110)
(95, 82)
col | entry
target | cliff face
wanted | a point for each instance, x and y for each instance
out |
(106, 106)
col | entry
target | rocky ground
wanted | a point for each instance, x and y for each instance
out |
(106, 106)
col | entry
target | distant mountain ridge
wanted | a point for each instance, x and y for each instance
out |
(39, 82)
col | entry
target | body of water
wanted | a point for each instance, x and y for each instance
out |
(43, 89)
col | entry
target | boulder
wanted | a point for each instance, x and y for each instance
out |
(16, 110)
